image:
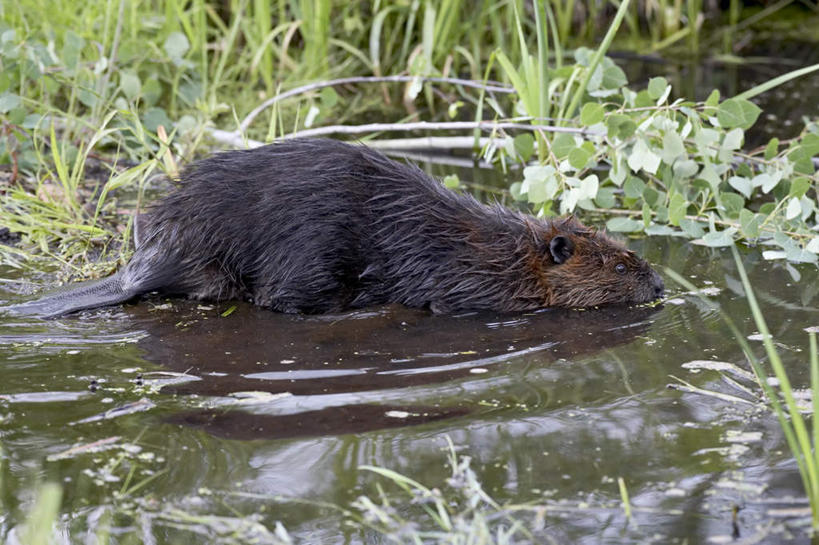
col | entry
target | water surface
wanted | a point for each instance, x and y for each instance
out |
(243, 414)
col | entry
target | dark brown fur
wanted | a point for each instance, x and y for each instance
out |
(318, 225)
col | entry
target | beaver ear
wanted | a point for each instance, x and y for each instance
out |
(561, 248)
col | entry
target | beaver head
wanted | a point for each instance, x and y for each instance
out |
(578, 266)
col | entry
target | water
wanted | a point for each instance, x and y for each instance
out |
(246, 413)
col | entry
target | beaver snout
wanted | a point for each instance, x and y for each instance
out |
(657, 284)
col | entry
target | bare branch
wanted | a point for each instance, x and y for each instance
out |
(243, 126)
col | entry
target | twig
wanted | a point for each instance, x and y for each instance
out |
(429, 126)
(236, 138)
(448, 143)
(243, 126)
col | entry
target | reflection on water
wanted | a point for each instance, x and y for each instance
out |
(553, 406)
(331, 365)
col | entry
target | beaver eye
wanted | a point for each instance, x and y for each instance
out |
(620, 268)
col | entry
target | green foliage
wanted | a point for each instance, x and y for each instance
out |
(679, 168)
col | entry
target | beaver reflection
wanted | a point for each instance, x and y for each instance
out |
(341, 368)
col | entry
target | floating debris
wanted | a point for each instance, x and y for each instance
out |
(142, 405)
(96, 446)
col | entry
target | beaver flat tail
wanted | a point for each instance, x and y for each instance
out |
(97, 293)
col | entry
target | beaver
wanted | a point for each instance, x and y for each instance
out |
(315, 226)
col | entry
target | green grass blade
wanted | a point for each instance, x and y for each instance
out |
(598, 56)
(784, 78)
(814, 388)
(43, 514)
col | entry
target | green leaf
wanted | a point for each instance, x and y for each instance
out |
(651, 196)
(562, 145)
(767, 208)
(799, 187)
(771, 149)
(32, 121)
(642, 158)
(794, 208)
(659, 230)
(524, 145)
(8, 101)
(605, 197)
(328, 97)
(713, 99)
(620, 126)
(810, 143)
(633, 187)
(764, 181)
(515, 191)
(17, 116)
(618, 170)
(176, 45)
(151, 91)
(686, 168)
(579, 158)
(87, 97)
(737, 112)
(130, 84)
(72, 46)
(673, 147)
(539, 183)
(624, 225)
(732, 203)
(813, 245)
(643, 100)
(591, 114)
(677, 208)
(750, 223)
(692, 228)
(656, 87)
(743, 185)
(719, 239)
(733, 139)
(588, 187)
(646, 214)
(613, 75)
(154, 117)
(803, 163)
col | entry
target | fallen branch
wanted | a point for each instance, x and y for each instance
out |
(236, 138)
(448, 143)
(243, 126)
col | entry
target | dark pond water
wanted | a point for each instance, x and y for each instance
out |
(249, 413)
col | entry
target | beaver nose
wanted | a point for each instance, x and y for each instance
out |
(657, 284)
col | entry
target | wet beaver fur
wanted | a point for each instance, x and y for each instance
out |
(316, 226)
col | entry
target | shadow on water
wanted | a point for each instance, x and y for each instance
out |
(343, 373)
